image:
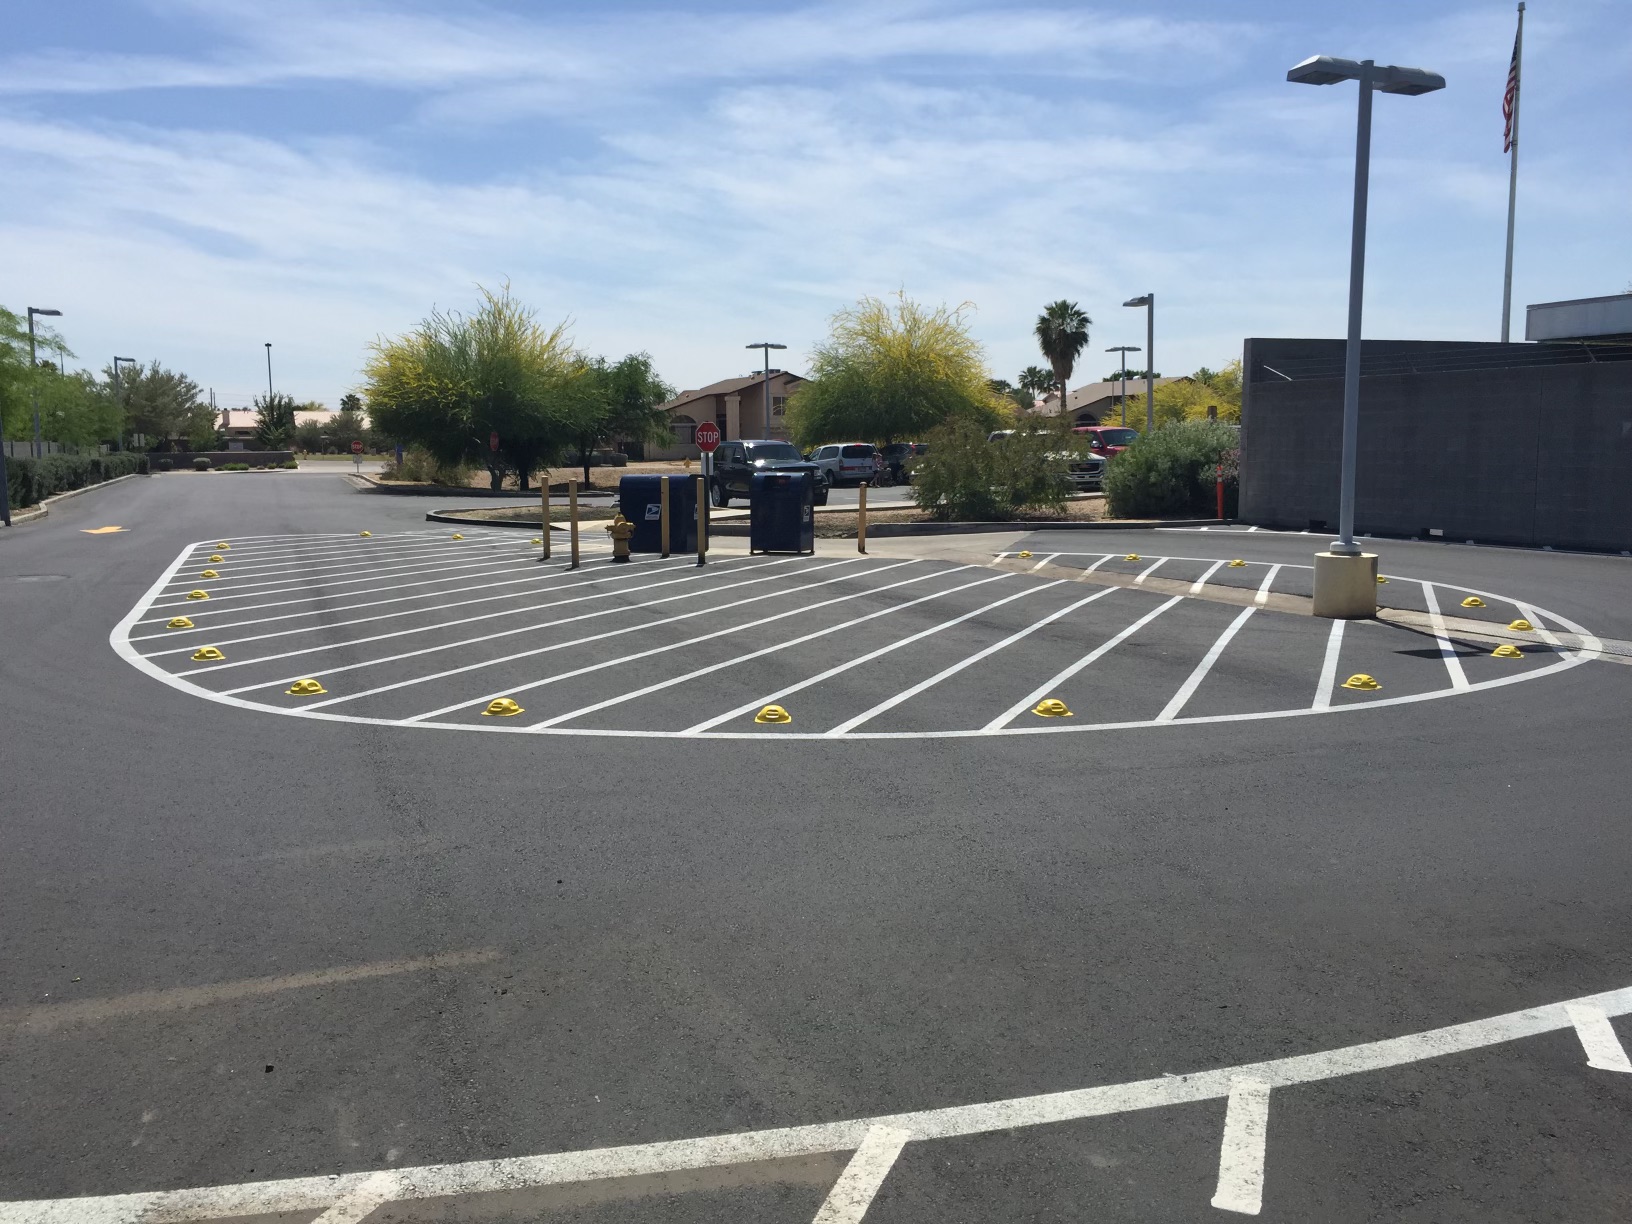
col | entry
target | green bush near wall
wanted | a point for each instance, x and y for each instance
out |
(1174, 471)
(33, 480)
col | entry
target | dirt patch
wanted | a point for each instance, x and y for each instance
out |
(529, 514)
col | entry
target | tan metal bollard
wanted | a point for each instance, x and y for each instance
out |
(702, 522)
(861, 517)
(663, 500)
(572, 515)
(544, 514)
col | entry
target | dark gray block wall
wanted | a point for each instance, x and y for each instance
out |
(1537, 454)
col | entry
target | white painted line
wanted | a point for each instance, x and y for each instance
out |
(239, 569)
(1598, 1039)
(759, 654)
(1188, 689)
(1447, 651)
(1043, 690)
(1251, 529)
(373, 1191)
(1092, 567)
(1262, 598)
(1151, 569)
(872, 655)
(302, 546)
(318, 1193)
(347, 643)
(566, 620)
(909, 693)
(693, 575)
(1197, 586)
(1328, 667)
(1542, 632)
(1044, 562)
(1241, 1155)
(853, 1193)
(666, 648)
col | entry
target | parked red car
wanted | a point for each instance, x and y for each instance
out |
(1107, 440)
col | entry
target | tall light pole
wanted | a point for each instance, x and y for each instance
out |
(767, 346)
(1148, 301)
(269, 374)
(119, 398)
(34, 377)
(1124, 349)
(1349, 592)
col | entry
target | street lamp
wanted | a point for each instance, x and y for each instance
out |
(269, 374)
(33, 377)
(1148, 301)
(767, 346)
(1124, 349)
(1350, 589)
(118, 397)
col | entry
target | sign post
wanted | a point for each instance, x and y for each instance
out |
(357, 457)
(572, 517)
(707, 437)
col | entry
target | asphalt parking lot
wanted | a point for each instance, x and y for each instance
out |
(1200, 948)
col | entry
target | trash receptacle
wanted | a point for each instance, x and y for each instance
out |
(779, 513)
(640, 501)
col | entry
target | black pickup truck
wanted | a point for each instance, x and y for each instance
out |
(736, 462)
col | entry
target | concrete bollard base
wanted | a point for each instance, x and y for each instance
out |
(1345, 585)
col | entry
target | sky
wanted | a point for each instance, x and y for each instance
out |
(189, 179)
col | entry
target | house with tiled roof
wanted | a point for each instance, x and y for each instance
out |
(736, 405)
(1097, 403)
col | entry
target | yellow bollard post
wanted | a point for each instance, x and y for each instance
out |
(544, 513)
(663, 500)
(572, 515)
(702, 522)
(861, 517)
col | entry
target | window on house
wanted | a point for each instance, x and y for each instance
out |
(778, 404)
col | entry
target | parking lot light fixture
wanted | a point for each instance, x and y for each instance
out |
(1124, 349)
(1148, 301)
(1388, 78)
(767, 346)
(33, 370)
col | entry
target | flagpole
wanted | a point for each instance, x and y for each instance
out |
(1513, 175)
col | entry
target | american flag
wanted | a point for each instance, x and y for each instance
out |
(1510, 98)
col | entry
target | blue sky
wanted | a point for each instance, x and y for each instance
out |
(187, 179)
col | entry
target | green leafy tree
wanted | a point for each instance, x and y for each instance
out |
(1035, 381)
(19, 380)
(1022, 400)
(165, 406)
(1187, 399)
(622, 404)
(1062, 334)
(456, 379)
(309, 437)
(893, 373)
(346, 427)
(274, 420)
(351, 402)
(966, 478)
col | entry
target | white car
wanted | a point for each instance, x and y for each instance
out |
(846, 461)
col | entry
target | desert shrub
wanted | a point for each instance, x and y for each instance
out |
(966, 478)
(1174, 471)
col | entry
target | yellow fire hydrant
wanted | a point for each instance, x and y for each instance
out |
(621, 529)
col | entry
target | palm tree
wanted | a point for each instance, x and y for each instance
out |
(1035, 380)
(1062, 334)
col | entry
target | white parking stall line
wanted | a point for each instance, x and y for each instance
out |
(444, 574)
(1200, 584)
(1542, 632)
(1090, 569)
(712, 588)
(691, 576)
(1188, 689)
(666, 648)
(1328, 667)
(300, 540)
(321, 1192)
(1603, 1048)
(1241, 1154)
(257, 556)
(1044, 562)
(1262, 598)
(1043, 690)
(266, 575)
(870, 656)
(858, 1185)
(756, 654)
(946, 673)
(1151, 569)
(1447, 650)
(375, 1191)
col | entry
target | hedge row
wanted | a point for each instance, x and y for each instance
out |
(1174, 471)
(33, 480)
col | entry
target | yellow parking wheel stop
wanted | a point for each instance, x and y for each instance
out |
(1052, 707)
(457, 536)
(198, 594)
(305, 688)
(1473, 601)
(1024, 555)
(208, 574)
(1381, 580)
(1522, 626)
(773, 714)
(1237, 563)
(1361, 681)
(222, 545)
(1131, 557)
(179, 622)
(1507, 651)
(207, 654)
(365, 534)
(536, 540)
(217, 557)
(501, 707)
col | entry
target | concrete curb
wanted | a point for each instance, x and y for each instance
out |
(883, 530)
(19, 517)
(400, 490)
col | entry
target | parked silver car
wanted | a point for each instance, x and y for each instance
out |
(851, 461)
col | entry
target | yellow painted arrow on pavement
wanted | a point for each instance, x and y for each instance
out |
(100, 530)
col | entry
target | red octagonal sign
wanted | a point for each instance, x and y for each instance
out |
(707, 436)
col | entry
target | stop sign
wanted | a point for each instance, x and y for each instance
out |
(356, 448)
(707, 437)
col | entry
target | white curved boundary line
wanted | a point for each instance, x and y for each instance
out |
(119, 640)
(522, 1172)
